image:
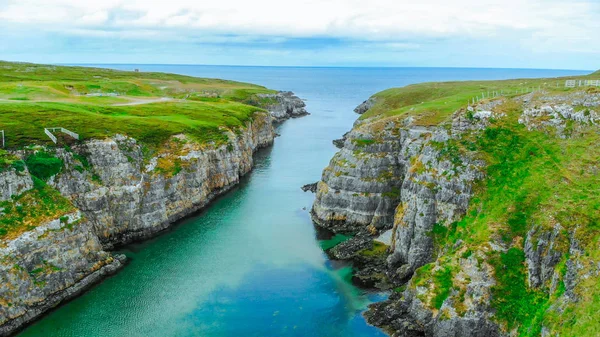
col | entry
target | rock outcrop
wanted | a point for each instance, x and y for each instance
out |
(13, 182)
(285, 105)
(127, 198)
(120, 194)
(43, 267)
(420, 181)
(365, 106)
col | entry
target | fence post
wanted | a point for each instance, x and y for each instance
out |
(2, 138)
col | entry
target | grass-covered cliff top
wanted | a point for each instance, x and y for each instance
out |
(96, 103)
(434, 102)
(541, 186)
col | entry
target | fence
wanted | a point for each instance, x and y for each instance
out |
(2, 132)
(581, 83)
(494, 94)
(49, 131)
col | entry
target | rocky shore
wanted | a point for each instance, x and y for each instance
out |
(401, 189)
(118, 195)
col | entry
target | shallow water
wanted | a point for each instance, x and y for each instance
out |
(250, 264)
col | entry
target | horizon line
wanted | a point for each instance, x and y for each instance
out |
(298, 66)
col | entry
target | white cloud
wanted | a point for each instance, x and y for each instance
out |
(556, 33)
(388, 20)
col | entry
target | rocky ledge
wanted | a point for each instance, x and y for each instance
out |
(285, 105)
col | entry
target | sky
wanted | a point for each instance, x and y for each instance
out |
(552, 34)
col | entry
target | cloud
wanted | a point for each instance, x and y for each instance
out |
(356, 19)
(275, 26)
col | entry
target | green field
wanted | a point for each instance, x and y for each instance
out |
(434, 102)
(98, 103)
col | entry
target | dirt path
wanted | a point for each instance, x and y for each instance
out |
(144, 101)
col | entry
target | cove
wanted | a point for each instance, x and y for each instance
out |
(250, 264)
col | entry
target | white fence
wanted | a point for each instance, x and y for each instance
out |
(581, 83)
(498, 93)
(49, 131)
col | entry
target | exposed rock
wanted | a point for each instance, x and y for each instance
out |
(339, 143)
(131, 200)
(349, 248)
(365, 106)
(397, 178)
(419, 181)
(288, 105)
(557, 111)
(542, 255)
(121, 196)
(13, 182)
(48, 265)
(310, 187)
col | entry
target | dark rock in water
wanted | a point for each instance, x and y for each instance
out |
(339, 143)
(349, 248)
(365, 106)
(393, 316)
(310, 187)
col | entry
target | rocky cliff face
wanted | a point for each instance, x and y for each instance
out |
(127, 197)
(457, 272)
(392, 175)
(119, 193)
(43, 267)
(13, 182)
(285, 105)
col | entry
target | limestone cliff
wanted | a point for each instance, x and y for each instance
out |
(479, 247)
(111, 192)
(284, 105)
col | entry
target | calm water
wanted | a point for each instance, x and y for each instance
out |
(250, 264)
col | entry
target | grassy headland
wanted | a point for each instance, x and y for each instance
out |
(538, 180)
(434, 102)
(97, 103)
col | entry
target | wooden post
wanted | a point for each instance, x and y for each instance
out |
(2, 138)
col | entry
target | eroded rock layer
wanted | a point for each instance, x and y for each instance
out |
(112, 191)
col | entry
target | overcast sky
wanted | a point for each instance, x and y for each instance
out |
(457, 33)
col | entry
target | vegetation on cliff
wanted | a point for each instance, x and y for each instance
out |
(98, 103)
(434, 102)
(532, 228)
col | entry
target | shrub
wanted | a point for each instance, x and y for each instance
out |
(43, 165)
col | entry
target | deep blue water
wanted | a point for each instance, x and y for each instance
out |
(250, 264)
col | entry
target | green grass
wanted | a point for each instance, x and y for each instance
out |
(443, 286)
(515, 303)
(9, 161)
(434, 103)
(532, 178)
(43, 165)
(31, 209)
(33, 97)
(378, 249)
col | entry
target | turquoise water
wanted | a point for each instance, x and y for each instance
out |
(250, 264)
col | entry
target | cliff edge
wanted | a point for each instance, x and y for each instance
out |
(481, 218)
